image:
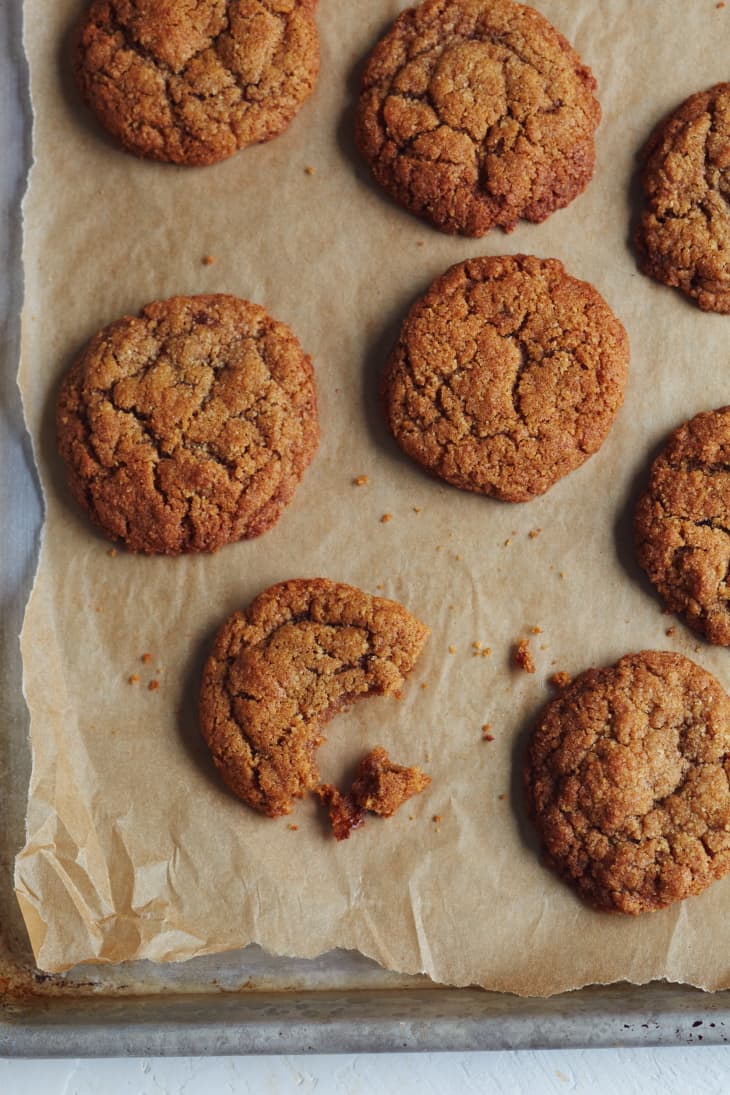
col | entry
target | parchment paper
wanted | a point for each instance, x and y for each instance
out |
(134, 848)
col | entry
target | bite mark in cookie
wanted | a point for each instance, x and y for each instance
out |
(281, 670)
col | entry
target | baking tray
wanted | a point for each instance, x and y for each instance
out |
(247, 1001)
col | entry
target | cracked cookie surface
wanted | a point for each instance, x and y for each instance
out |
(506, 376)
(684, 234)
(682, 524)
(189, 426)
(194, 81)
(278, 672)
(475, 113)
(627, 778)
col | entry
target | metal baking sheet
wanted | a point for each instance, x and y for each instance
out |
(246, 1002)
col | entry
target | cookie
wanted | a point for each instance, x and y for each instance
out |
(188, 426)
(684, 233)
(193, 81)
(627, 779)
(280, 671)
(507, 375)
(475, 113)
(682, 524)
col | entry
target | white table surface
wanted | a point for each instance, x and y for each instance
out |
(697, 1070)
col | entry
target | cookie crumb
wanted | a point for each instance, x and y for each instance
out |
(134, 679)
(112, 553)
(720, 5)
(508, 542)
(561, 679)
(536, 630)
(534, 533)
(457, 558)
(419, 243)
(522, 657)
(360, 481)
(437, 818)
(502, 797)
(424, 685)
(385, 518)
(153, 686)
(309, 170)
(293, 828)
(452, 649)
(485, 732)
(670, 631)
(208, 260)
(416, 509)
(146, 658)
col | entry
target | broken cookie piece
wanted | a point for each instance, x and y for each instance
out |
(381, 787)
(345, 814)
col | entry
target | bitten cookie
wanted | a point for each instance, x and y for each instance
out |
(280, 671)
(475, 113)
(191, 82)
(627, 779)
(507, 375)
(684, 234)
(682, 524)
(188, 426)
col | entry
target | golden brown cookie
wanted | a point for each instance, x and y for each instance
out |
(474, 113)
(280, 671)
(188, 426)
(190, 82)
(627, 779)
(684, 234)
(507, 375)
(682, 524)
